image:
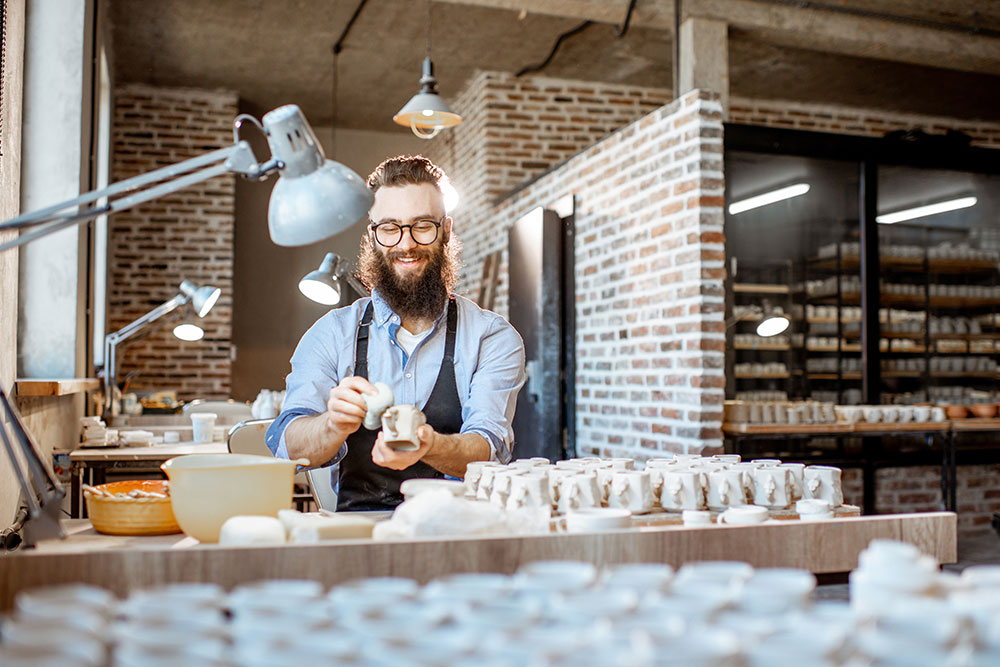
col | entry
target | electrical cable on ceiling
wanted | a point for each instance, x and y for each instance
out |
(552, 54)
(338, 46)
(628, 19)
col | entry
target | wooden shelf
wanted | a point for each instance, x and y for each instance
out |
(759, 288)
(766, 376)
(762, 347)
(847, 347)
(914, 300)
(937, 265)
(56, 387)
(834, 376)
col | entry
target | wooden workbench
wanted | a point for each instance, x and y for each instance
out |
(123, 564)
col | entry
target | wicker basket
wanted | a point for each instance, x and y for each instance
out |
(132, 516)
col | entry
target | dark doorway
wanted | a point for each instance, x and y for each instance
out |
(541, 306)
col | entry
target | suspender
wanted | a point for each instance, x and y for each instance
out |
(361, 344)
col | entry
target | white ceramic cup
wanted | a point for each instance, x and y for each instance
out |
(725, 489)
(579, 491)
(682, 490)
(631, 490)
(772, 487)
(502, 484)
(890, 414)
(873, 414)
(824, 483)
(937, 414)
(921, 413)
(399, 427)
(203, 426)
(529, 490)
(796, 472)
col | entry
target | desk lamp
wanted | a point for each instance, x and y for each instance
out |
(323, 285)
(771, 321)
(201, 298)
(313, 199)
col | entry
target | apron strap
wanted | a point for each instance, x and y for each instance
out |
(449, 341)
(361, 345)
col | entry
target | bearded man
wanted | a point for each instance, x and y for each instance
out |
(461, 365)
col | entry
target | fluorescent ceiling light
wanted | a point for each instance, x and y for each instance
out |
(768, 198)
(924, 211)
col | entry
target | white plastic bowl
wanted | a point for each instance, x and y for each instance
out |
(207, 489)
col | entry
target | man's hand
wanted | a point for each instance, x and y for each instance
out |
(346, 408)
(387, 457)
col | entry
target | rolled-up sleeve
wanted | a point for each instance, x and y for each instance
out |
(496, 380)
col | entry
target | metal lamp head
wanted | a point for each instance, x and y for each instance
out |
(323, 285)
(427, 110)
(314, 198)
(772, 321)
(202, 298)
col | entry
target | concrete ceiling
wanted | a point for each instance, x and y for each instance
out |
(274, 52)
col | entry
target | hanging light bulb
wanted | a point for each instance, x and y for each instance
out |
(426, 114)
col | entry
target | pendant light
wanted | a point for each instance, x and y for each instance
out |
(426, 114)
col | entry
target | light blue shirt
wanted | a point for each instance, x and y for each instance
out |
(489, 368)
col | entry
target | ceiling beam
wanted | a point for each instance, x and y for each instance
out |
(816, 28)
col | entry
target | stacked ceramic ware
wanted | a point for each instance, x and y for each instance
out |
(710, 613)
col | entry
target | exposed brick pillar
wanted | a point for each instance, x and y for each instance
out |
(188, 234)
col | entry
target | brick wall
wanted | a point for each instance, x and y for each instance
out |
(649, 253)
(852, 120)
(513, 130)
(188, 234)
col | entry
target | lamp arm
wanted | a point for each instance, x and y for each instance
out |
(355, 284)
(238, 158)
(113, 339)
(42, 492)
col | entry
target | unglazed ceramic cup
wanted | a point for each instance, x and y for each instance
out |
(796, 473)
(578, 492)
(529, 490)
(725, 489)
(631, 490)
(399, 427)
(824, 483)
(772, 487)
(682, 490)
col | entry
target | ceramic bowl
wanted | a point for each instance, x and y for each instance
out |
(956, 411)
(984, 410)
(208, 489)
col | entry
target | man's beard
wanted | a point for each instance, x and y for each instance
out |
(422, 296)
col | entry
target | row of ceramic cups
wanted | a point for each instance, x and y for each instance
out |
(889, 414)
(685, 482)
(779, 412)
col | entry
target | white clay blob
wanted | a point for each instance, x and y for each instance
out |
(241, 531)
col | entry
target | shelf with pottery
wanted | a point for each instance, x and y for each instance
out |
(762, 376)
(916, 264)
(762, 346)
(759, 288)
(125, 564)
(912, 300)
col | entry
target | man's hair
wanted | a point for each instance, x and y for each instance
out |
(406, 170)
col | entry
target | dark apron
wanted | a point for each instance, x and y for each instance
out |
(367, 486)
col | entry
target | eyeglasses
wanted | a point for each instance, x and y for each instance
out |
(389, 234)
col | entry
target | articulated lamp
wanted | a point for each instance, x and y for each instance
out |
(313, 199)
(202, 299)
(771, 321)
(324, 284)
